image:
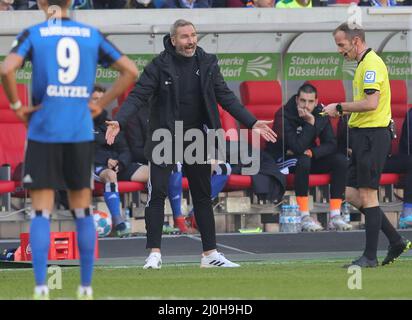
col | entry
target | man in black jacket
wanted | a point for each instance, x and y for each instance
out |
(186, 85)
(308, 144)
(136, 134)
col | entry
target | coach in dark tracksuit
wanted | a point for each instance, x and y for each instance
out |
(185, 83)
(136, 134)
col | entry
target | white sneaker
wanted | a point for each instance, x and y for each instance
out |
(309, 224)
(84, 293)
(41, 293)
(337, 223)
(216, 259)
(153, 261)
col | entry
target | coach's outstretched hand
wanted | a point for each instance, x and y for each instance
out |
(113, 129)
(262, 127)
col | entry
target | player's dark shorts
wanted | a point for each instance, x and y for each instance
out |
(370, 148)
(123, 175)
(58, 166)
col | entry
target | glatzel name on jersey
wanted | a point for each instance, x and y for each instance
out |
(67, 91)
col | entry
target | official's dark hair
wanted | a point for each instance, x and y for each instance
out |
(351, 31)
(60, 3)
(307, 88)
(179, 23)
(99, 88)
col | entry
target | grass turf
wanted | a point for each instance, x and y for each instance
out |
(269, 280)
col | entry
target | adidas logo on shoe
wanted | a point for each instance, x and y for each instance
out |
(216, 260)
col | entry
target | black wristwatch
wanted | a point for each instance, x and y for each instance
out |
(339, 109)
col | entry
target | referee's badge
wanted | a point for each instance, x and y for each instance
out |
(370, 77)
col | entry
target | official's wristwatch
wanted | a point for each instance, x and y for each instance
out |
(339, 109)
(16, 106)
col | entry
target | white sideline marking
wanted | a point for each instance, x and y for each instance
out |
(222, 245)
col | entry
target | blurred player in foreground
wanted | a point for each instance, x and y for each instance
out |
(60, 149)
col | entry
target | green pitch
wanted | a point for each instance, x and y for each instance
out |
(270, 280)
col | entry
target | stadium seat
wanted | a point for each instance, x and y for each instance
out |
(185, 183)
(7, 186)
(389, 178)
(238, 182)
(12, 131)
(315, 180)
(263, 99)
(330, 91)
(399, 105)
(124, 187)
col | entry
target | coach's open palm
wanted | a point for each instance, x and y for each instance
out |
(262, 127)
(113, 129)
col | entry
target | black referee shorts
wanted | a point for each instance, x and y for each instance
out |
(370, 148)
(58, 166)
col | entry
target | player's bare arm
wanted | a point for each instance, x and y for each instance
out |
(370, 103)
(262, 127)
(128, 74)
(8, 78)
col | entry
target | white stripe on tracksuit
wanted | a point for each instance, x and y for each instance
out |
(149, 188)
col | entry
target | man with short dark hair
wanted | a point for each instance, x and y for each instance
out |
(60, 146)
(370, 139)
(298, 144)
(186, 85)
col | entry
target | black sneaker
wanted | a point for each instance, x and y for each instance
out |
(363, 262)
(396, 250)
